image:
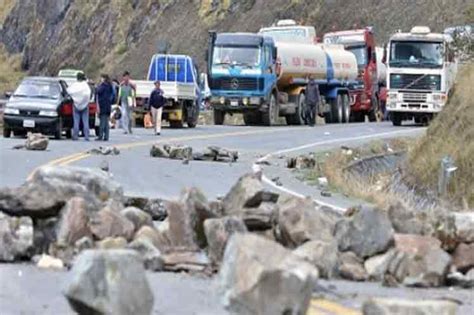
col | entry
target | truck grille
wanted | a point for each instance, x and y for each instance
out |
(414, 97)
(237, 84)
(415, 82)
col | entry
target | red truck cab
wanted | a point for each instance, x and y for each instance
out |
(365, 92)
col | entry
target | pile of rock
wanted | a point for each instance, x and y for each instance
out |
(268, 249)
(34, 142)
(301, 162)
(186, 153)
(104, 151)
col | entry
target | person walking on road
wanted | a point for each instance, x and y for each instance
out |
(126, 99)
(156, 103)
(105, 97)
(312, 101)
(80, 92)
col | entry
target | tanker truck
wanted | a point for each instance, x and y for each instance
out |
(264, 75)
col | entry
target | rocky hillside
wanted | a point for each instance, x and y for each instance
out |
(112, 35)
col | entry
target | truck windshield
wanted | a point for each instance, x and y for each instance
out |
(240, 56)
(417, 54)
(38, 89)
(360, 53)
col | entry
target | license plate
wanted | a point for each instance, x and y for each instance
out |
(234, 103)
(28, 123)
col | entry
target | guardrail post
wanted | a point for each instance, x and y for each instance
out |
(445, 172)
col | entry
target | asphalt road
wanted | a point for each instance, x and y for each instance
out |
(27, 290)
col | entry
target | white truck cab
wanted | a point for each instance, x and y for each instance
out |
(421, 70)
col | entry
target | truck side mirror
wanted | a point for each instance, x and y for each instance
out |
(384, 58)
(274, 54)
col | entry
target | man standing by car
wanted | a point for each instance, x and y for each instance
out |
(156, 103)
(126, 99)
(312, 101)
(105, 97)
(81, 94)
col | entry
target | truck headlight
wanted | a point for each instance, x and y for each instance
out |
(222, 100)
(11, 111)
(245, 101)
(439, 97)
(48, 113)
(255, 100)
(392, 96)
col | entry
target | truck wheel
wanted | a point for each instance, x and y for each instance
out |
(346, 108)
(192, 115)
(251, 118)
(270, 117)
(175, 124)
(396, 119)
(297, 118)
(337, 110)
(7, 132)
(219, 117)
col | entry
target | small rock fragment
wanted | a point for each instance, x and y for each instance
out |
(48, 262)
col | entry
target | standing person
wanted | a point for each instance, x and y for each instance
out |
(80, 92)
(312, 101)
(156, 103)
(126, 99)
(105, 97)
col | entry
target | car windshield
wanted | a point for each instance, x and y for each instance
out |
(38, 89)
(416, 54)
(360, 53)
(243, 56)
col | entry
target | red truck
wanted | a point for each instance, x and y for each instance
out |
(366, 94)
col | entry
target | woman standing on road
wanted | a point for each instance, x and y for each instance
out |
(80, 92)
(105, 97)
(126, 99)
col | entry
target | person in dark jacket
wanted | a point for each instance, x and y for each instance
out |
(156, 103)
(312, 101)
(105, 97)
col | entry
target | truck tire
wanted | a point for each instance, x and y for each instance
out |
(346, 108)
(219, 117)
(7, 132)
(176, 124)
(297, 118)
(192, 116)
(337, 110)
(396, 119)
(270, 117)
(251, 118)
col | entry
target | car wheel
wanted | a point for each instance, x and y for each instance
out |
(59, 129)
(7, 132)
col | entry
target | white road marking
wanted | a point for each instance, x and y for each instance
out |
(256, 167)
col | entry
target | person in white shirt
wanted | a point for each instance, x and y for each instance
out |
(81, 94)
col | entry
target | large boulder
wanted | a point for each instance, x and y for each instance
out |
(159, 237)
(419, 261)
(463, 257)
(154, 207)
(36, 142)
(366, 233)
(259, 276)
(351, 267)
(300, 221)
(395, 306)
(377, 266)
(410, 221)
(112, 243)
(247, 192)
(74, 222)
(138, 217)
(260, 218)
(464, 225)
(109, 282)
(16, 237)
(186, 220)
(322, 254)
(150, 255)
(50, 187)
(110, 223)
(218, 231)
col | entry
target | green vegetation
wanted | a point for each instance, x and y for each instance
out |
(10, 71)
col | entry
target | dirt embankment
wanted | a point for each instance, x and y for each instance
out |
(450, 134)
(117, 34)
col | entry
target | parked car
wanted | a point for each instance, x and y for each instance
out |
(41, 104)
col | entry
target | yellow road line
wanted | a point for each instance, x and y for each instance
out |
(322, 306)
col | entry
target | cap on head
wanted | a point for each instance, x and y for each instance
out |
(157, 82)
